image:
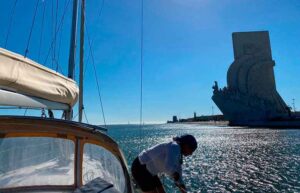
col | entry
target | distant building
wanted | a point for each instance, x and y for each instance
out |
(202, 118)
(175, 119)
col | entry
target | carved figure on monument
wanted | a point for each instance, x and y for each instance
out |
(215, 87)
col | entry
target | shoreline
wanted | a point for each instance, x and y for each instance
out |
(209, 123)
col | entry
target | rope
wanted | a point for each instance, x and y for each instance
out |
(25, 111)
(52, 32)
(100, 11)
(74, 117)
(42, 30)
(59, 26)
(142, 61)
(59, 46)
(32, 25)
(55, 35)
(10, 22)
(96, 76)
(141, 72)
(88, 59)
(87, 121)
(43, 114)
(92, 41)
(58, 53)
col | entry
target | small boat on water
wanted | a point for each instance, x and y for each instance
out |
(44, 154)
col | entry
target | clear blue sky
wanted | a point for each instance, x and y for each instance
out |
(187, 45)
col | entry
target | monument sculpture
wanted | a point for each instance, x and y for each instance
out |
(250, 97)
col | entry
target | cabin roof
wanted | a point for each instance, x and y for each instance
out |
(21, 126)
(57, 122)
(80, 133)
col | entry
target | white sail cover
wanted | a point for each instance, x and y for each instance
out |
(25, 76)
(8, 98)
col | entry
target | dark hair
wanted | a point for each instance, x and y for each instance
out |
(188, 140)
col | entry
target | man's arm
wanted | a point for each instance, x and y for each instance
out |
(181, 187)
(179, 183)
(173, 164)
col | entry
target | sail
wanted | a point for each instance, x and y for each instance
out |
(25, 76)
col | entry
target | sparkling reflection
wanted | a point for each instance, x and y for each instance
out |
(227, 159)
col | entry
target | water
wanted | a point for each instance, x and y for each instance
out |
(227, 159)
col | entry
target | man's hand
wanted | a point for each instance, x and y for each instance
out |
(176, 176)
(179, 183)
(181, 187)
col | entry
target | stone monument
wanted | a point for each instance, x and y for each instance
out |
(251, 93)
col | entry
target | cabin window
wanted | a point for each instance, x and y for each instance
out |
(31, 161)
(99, 163)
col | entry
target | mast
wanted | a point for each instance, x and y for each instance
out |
(80, 106)
(72, 53)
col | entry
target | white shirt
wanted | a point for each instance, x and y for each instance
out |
(163, 158)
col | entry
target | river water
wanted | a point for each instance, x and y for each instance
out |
(227, 159)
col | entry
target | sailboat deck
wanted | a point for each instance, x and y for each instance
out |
(81, 151)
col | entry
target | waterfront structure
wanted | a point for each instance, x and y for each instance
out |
(202, 118)
(175, 118)
(250, 97)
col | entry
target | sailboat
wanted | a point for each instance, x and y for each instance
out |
(44, 154)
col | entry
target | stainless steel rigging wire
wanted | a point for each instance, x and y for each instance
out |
(96, 76)
(31, 28)
(55, 38)
(42, 31)
(88, 59)
(92, 41)
(52, 32)
(141, 69)
(10, 22)
(59, 46)
(87, 121)
(57, 30)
